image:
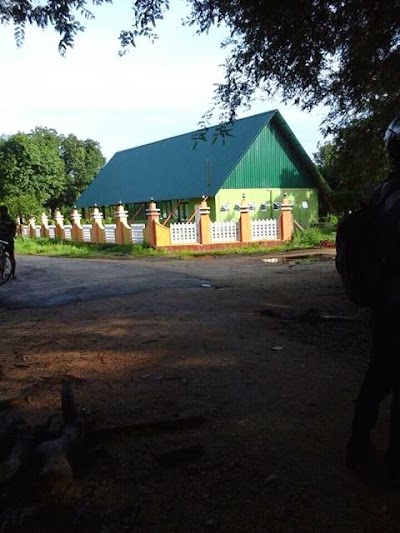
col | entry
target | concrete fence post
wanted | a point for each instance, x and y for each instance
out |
(59, 231)
(44, 226)
(97, 232)
(155, 235)
(286, 224)
(32, 227)
(76, 230)
(123, 232)
(204, 223)
(152, 218)
(245, 221)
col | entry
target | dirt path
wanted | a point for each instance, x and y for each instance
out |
(255, 347)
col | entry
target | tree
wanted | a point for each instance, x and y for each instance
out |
(344, 54)
(353, 163)
(82, 162)
(41, 170)
(30, 169)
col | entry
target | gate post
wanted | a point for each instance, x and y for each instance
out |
(60, 233)
(153, 218)
(155, 234)
(123, 232)
(32, 227)
(97, 231)
(44, 226)
(77, 230)
(204, 222)
(245, 221)
(286, 224)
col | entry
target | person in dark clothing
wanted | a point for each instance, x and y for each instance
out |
(383, 374)
(7, 233)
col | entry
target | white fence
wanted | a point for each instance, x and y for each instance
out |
(136, 232)
(68, 232)
(181, 233)
(224, 231)
(110, 233)
(264, 230)
(184, 233)
(86, 232)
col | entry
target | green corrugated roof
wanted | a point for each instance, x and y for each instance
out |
(176, 168)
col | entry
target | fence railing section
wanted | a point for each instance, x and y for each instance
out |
(202, 232)
(68, 232)
(184, 233)
(137, 233)
(264, 230)
(109, 230)
(224, 231)
(86, 232)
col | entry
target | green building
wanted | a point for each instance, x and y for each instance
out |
(260, 158)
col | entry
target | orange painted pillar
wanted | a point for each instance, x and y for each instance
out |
(152, 218)
(204, 223)
(76, 230)
(245, 221)
(32, 227)
(59, 231)
(123, 233)
(97, 232)
(44, 226)
(286, 224)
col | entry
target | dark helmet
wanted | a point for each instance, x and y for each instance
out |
(392, 143)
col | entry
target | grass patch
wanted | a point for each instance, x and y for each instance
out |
(310, 238)
(57, 248)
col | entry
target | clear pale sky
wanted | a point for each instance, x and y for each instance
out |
(155, 91)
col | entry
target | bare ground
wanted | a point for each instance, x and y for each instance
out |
(271, 359)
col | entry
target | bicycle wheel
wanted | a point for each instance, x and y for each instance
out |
(5, 268)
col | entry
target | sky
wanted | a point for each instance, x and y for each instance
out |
(153, 92)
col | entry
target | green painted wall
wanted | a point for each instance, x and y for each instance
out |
(305, 204)
(269, 163)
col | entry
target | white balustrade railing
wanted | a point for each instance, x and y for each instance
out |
(68, 232)
(183, 233)
(264, 230)
(224, 231)
(86, 232)
(109, 230)
(137, 233)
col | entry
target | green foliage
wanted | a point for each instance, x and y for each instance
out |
(31, 164)
(82, 162)
(344, 55)
(41, 170)
(311, 238)
(354, 162)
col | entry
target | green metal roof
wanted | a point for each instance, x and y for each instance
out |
(179, 168)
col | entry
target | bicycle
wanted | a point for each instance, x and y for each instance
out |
(5, 263)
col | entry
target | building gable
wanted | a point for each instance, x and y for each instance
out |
(272, 161)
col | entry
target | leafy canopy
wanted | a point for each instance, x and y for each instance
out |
(353, 163)
(341, 53)
(42, 169)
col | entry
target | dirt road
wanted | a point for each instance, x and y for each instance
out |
(269, 353)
